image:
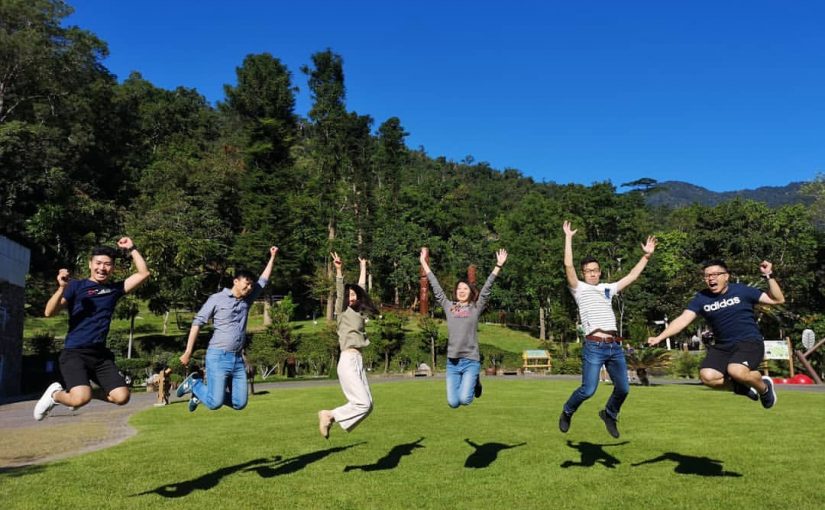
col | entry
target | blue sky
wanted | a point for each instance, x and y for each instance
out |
(724, 94)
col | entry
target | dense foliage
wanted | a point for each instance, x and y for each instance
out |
(206, 189)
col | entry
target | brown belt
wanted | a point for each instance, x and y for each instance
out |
(605, 340)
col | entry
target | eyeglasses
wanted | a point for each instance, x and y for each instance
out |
(591, 271)
(708, 276)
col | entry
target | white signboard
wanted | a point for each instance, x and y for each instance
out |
(777, 349)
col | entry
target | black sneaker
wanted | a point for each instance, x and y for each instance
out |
(609, 423)
(769, 397)
(742, 389)
(564, 421)
(193, 403)
(477, 390)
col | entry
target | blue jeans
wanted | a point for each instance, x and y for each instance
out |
(462, 374)
(222, 367)
(594, 355)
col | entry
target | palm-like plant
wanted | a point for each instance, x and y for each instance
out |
(643, 359)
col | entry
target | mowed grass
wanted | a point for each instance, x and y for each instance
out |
(707, 450)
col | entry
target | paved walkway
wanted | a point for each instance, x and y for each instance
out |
(98, 425)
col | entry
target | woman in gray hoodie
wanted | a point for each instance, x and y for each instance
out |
(463, 360)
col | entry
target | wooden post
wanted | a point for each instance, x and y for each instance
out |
(423, 288)
(790, 353)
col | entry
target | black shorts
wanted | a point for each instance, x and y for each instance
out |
(748, 353)
(79, 366)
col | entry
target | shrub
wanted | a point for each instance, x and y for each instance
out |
(685, 364)
(41, 344)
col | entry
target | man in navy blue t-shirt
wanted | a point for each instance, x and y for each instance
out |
(733, 361)
(91, 303)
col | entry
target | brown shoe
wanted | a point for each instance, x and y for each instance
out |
(325, 420)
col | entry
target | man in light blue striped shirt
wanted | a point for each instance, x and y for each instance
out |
(229, 311)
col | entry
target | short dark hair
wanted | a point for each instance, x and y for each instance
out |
(246, 275)
(103, 250)
(715, 262)
(587, 260)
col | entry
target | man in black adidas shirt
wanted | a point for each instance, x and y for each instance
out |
(733, 361)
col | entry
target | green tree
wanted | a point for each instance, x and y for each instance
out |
(390, 337)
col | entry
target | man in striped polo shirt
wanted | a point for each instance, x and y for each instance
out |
(602, 345)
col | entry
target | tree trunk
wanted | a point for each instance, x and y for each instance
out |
(542, 331)
(131, 335)
(386, 361)
(330, 274)
(267, 316)
(423, 288)
(165, 321)
(432, 354)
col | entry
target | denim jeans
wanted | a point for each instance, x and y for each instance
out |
(222, 368)
(594, 355)
(462, 374)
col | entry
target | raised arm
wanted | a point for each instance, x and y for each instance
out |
(569, 269)
(484, 295)
(648, 248)
(774, 296)
(339, 282)
(362, 277)
(680, 323)
(56, 302)
(273, 252)
(142, 274)
(438, 292)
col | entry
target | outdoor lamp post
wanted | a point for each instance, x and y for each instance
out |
(664, 323)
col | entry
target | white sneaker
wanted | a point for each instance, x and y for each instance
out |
(45, 404)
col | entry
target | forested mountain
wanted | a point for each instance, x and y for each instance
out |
(680, 194)
(206, 190)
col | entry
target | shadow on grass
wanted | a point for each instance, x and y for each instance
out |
(592, 454)
(291, 465)
(391, 459)
(265, 467)
(16, 471)
(486, 453)
(205, 482)
(690, 465)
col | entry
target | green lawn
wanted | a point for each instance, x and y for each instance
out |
(708, 450)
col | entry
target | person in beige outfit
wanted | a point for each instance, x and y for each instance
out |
(351, 339)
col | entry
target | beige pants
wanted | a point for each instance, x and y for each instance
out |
(353, 379)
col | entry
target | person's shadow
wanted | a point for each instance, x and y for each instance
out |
(204, 482)
(297, 463)
(265, 467)
(592, 454)
(486, 453)
(391, 459)
(690, 465)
